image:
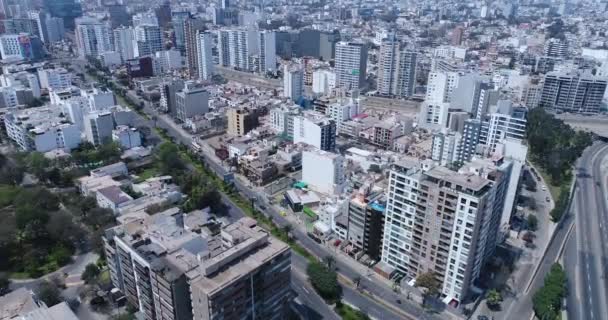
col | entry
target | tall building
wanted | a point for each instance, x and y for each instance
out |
(507, 123)
(223, 47)
(204, 46)
(457, 35)
(192, 27)
(178, 20)
(440, 221)
(149, 39)
(445, 145)
(118, 15)
(55, 29)
(556, 48)
(396, 70)
(21, 47)
(193, 100)
(268, 51)
(170, 266)
(351, 65)
(315, 129)
(293, 82)
(163, 14)
(573, 92)
(93, 37)
(68, 10)
(39, 19)
(124, 41)
(21, 25)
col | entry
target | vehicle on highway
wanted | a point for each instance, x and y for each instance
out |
(548, 199)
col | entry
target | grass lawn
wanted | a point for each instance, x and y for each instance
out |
(346, 312)
(553, 189)
(19, 275)
(7, 195)
(148, 173)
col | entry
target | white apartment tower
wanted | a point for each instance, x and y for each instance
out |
(293, 82)
(124, 42)
(149, 39)
(396, 70)
(351, 65)
(93, 37)
(268, 51)
(441, 221)
(204, 44)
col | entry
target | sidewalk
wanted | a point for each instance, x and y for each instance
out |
(526, 265)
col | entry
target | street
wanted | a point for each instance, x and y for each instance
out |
(585, 254)
(385, 301)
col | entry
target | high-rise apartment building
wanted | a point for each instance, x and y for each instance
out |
(21, 25)
(68, 10)
(178, 20)
(396, 69)
(235, 47)
(351, 65)
(55, 29)
(118, 15)
(149, 39)
(39, 19)
(163, 14)
(192, 28)
(440, 221)
(170, 267)
(267, 51)
(204, 46)
(93, 37)
(124, 41)
(293, 82)
(575, 92)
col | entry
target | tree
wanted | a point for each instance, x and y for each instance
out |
(329, 261)
(547, 301)
(427, 280)
(493, 299)
(532, 222)
(168, 159)
(554, 145)
(48, 292)
(324, 280)
(90, 273)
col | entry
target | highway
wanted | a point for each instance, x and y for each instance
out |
(586, 250)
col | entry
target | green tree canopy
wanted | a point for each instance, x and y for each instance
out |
(324, 280)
